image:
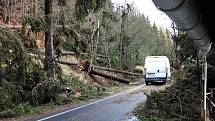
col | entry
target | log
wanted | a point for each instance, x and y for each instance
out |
(62, 61)
(115, 70)
(109, 76)
(137, 70)
(42, 51)
(64, 53)
(101, 56)
(84, 67)
(7, 26)
(36, 56)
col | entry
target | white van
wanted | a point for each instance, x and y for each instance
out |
(156, 69)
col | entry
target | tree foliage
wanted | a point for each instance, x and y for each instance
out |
(84, 7)
(143, 38)
(187, 48)
(123, 31)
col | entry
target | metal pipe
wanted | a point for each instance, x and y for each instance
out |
(185, 14)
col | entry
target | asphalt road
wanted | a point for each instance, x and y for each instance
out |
(118, 107)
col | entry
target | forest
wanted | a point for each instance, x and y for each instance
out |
(36, 35)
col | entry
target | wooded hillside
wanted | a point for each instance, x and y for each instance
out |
(107, 35)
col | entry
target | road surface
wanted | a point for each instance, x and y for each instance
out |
(118, 107)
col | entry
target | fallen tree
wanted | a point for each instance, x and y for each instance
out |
(62, 61)
(85, 66)
(65, 53)
(115, 70)
(137, 70)
(109, 76)
(7, 26)
(66, 62)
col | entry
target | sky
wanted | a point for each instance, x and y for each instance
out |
(148, 9)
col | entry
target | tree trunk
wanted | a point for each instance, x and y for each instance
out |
(115, 70)
(122, 36)
(97, 39)
(61, 61)
(108, 54)
(124, 41)
(198, 74)
(49, 65)
(175, 39)
(5, 17)
(109, 76)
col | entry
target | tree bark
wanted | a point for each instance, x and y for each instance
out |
(124, 41)
(115, 70)
(109, 76)
(6, 26)
(61, 61)
(65, 53)
(49, 65)
(198, 74)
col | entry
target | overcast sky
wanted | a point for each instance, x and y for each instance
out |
(148, 9)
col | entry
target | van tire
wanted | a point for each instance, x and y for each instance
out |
(147, 83)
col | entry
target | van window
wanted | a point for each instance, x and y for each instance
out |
(155, 66)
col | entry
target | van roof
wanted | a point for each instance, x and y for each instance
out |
(156, 57)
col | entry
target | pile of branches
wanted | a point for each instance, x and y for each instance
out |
(22, 79)
(177, 103)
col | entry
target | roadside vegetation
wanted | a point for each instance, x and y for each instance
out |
(181, 101)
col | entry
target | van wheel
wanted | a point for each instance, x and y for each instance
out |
(147, 83)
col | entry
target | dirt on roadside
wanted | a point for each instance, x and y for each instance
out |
(157, 87)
